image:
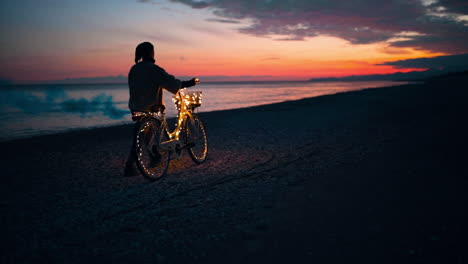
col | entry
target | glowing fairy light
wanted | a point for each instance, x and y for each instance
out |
(189, 99)
(185, 103)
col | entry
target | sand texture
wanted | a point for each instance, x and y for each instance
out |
(375, 176)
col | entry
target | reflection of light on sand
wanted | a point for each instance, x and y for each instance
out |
(221, 162)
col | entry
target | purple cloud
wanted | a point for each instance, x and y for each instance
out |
(423, 24)
(228, 21)
(455, 6)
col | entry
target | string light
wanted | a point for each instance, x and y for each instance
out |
(185, 102)
(191, 100)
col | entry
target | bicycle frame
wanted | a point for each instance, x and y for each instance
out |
(174, 145)
(183, 113)
(156, 144)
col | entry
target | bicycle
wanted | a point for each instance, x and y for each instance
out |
(156, 145)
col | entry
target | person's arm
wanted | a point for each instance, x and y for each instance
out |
(167, 81)
(189, 83)
(170, 83)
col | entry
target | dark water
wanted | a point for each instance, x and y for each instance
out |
(43, 109)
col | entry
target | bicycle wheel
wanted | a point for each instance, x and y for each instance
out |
(196, 138)
(152, 162)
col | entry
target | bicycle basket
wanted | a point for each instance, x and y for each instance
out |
(191, 99)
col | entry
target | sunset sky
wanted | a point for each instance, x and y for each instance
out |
(267, 39)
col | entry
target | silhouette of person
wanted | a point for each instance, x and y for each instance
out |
(146, 82)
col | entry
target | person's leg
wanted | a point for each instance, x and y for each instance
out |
(130, 169)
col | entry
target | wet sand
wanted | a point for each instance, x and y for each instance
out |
(375, 176)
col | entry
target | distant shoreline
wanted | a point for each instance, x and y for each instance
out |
(396, 77)
(207, 83)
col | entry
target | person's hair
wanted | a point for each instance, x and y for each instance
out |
(144, 51)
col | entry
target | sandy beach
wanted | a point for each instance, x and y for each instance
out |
(374, 176)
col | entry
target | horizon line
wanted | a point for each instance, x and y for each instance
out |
(83, 80)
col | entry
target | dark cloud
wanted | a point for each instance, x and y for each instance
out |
(194, 4)
(439, 24)
(228, 21)
(446, 63)
(454, 5)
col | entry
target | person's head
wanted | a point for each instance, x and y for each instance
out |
(145, 52)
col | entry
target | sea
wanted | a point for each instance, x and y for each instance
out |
(30, 110)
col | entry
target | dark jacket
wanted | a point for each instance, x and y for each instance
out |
(146, 81)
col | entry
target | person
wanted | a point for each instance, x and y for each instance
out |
(146, 82)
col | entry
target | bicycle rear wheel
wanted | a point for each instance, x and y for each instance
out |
(151, 161)
(196, 138)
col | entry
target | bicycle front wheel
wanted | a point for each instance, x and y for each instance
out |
(151, 160)
(196, 139)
